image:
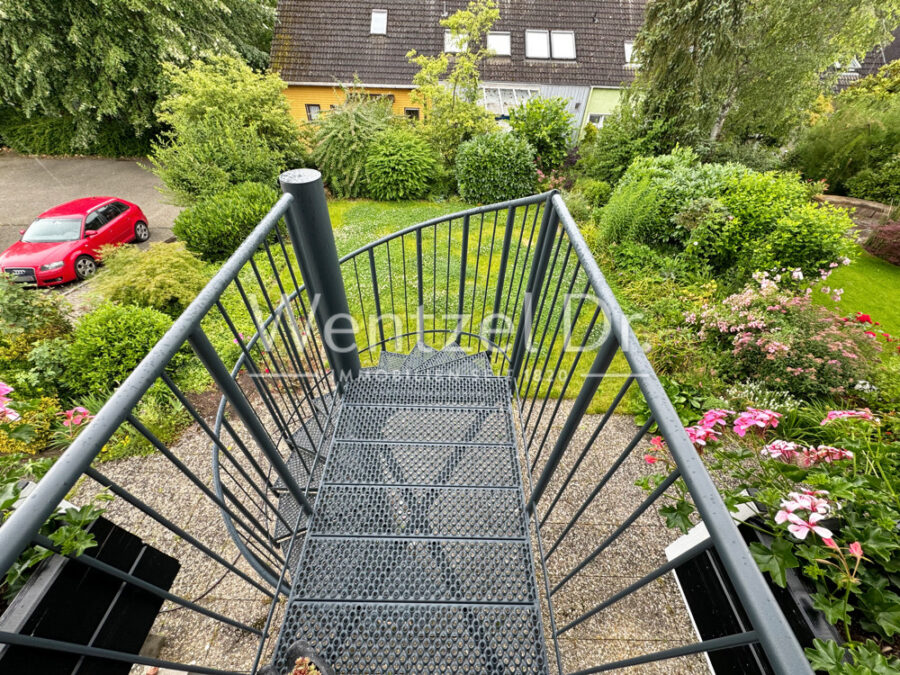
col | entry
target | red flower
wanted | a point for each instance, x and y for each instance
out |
(650, 459)
(871, 334)
(863, 318)
(856, 550)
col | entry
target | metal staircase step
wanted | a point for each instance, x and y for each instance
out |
(415, 570)
(391, 361)
(357, 638)
(391, 464)
(419, 354)
(448, 352)
(374, 387)
(471, 364)
(407, 424)
(371, 511)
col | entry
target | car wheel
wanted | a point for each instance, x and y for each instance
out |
(141, 231)
(85, 266)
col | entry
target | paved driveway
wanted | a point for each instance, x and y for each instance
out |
(30, 185)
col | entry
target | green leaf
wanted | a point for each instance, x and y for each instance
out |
(21, 432)
(833, 607)
(678, 515)
(825, 655)
(9, 493)
(775, 560)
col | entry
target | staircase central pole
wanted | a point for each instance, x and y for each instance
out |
(312, 236)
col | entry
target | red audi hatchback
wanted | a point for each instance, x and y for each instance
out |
(63, 243)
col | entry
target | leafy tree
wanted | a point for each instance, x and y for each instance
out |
(740, 68)
(547, 126)
(452, 114)
(225, 125)
(100, 60)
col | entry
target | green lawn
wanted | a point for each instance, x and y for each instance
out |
(871, 286)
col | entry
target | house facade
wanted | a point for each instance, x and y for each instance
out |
(574, 49)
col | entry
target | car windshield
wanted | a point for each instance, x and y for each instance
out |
(53, 229)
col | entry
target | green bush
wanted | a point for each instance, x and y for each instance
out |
(225, 124)
(109, 342)
(214, 227)
(547, 126)
(341, 142)
(495, 167)
(752, 155)
(596, 192)
(880, 184)
(41, 135)
(165, 277)
(605, 154)
(399, 165)
(653, 190)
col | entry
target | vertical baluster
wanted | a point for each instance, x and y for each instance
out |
(463, 261)
(420, 301)
(501, 273)
(377, 293)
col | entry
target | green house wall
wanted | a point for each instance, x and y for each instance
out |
(601, 101)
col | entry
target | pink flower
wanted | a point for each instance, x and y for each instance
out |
(5, 389)
(830, 543)
(786, 451)
(239, 338)
(753, 417)
(658, 442)
(800, 527)
(871, 334)
(650, 459)
(8, 414)
(700, 435)
(828, 454)
(864, 414)
(856, 550)
(76, 416)
(715, 416)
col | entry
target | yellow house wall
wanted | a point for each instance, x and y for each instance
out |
(299, 95)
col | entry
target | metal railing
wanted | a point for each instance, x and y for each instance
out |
(515, 280)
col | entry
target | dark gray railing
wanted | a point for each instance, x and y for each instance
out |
(515, 279)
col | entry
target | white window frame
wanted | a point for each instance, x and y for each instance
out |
(504, 109)
(504, 37)
(629, 55)
(597, 119)
(529, 51)
(378, 23)
(555, 48)
(451, 45)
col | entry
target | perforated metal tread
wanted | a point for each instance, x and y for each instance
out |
(418, 638)
(415, 570)
(418, 558)
(393, 464)
(424, 424)
(378, 388)
(369, 511)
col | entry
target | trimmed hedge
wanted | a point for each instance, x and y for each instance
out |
(214, 227)
(494, 168)
(399, 165)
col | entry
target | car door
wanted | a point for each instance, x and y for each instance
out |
(95, 221)
(119, 219)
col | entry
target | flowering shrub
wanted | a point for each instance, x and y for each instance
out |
(781, 339)
(831, 512)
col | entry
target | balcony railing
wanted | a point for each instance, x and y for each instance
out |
(513, 280)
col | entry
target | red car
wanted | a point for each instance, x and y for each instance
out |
(63, 243)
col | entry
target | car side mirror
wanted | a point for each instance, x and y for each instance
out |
(89, 233)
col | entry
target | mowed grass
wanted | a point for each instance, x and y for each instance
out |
(871, 286)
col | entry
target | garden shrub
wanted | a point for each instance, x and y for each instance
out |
(341, 142)
(752, 155)
(606, 153)
(547, 126)
(41, 135)
(884, 242)
(214, 227)
(165, 277)
(40, 415)
(784, 342)
(879, 183)
(399, 165)
(596, 192)
(46, 372)
(495, 167)
(109, 342)
(224, 124)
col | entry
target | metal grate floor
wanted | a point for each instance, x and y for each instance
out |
(418, 556)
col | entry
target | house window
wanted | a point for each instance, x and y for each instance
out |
(499, 43)
(597, 119)
(453, 45)
(562, 44)
(629, 55)
(498, 100)
(379, 22)
(411, 113)
(537, 44)
(312, 111)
